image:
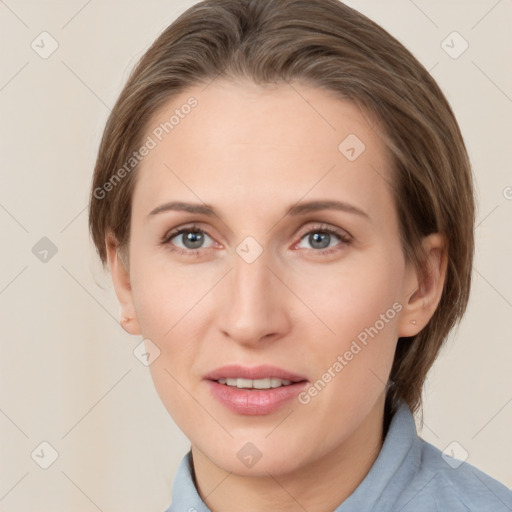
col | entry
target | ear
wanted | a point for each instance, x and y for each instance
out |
(423, 291)
(120, 272)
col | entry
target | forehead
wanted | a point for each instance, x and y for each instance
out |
(244, 141)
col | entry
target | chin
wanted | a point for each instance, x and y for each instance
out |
(256, 458)
(276, 464)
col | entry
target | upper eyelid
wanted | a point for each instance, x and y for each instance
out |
(322, 226)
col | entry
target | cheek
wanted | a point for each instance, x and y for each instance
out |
(359, 308)
(169, 306)
(173, 306)
(166, 295)
(353, 296)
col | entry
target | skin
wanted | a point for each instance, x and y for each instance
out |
(251, 152)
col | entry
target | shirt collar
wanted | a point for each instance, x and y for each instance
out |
(185, 497)
(392, 471)
(386, 480)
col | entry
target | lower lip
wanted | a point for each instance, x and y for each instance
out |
(255, 402)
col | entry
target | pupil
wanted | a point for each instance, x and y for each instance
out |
(192, 239)
(320, 240)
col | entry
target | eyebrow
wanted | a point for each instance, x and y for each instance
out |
(294, 210)
(313, 206)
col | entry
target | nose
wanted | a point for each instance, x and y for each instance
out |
(254, 303)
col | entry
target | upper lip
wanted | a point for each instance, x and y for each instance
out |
(253, 372)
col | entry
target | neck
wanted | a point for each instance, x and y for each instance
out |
(321, 486)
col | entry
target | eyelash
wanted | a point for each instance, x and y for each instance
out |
(324, 228)
(321, 228)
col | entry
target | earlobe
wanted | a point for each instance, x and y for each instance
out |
(424, 288)
(121, 279)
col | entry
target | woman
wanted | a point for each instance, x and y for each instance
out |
(285, 202)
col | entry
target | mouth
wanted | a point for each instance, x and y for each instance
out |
(254, 390)
(254, 377)
(265, 383)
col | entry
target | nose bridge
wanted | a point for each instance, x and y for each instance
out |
(254, 307)
(250, 280)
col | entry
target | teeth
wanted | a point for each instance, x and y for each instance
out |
(266, 383)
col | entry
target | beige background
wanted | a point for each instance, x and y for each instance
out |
(67, 372)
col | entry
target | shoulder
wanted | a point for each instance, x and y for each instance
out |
(442, 483)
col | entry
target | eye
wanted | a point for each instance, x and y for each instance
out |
(189, 239)
(323, 238)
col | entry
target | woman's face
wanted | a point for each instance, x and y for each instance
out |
(290, 257)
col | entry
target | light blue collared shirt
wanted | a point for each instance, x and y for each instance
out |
(409, 475)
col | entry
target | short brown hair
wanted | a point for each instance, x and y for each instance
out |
(328, 45)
